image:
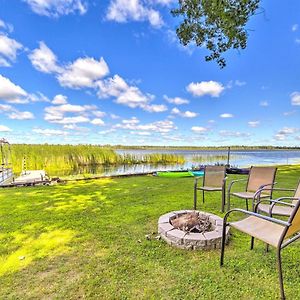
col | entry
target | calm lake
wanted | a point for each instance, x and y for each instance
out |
(193, 158)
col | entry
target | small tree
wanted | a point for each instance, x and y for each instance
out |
(218, 25)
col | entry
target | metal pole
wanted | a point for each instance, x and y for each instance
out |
(228, 157)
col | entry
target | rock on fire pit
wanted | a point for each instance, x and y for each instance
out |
(192, 229)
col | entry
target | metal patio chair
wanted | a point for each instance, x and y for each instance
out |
(275, 232)
(279, 210)
(256, 188)
(214, 180)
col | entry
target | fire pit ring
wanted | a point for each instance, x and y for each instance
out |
(190, 240)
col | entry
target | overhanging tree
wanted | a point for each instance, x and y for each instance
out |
(218, 25)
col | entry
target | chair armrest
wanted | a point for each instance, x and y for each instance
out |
(235, 181)
(250, 213)
(274, 202)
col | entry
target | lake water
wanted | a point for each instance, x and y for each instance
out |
(193, 158)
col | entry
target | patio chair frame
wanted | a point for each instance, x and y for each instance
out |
(257, 194)
(281, 243)
(204, 189)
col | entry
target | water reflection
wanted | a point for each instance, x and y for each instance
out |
(193, 159)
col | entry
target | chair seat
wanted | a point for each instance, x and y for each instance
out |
(263, 230)
(248, 195)
(209, 188)
(277, 209)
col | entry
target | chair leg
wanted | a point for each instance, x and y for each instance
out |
(195, 198)
(223, 199)
(280, 273)
(223, 243)
(267, 247)
(228, 202)
(203, 196)
(247, 206)
(252, 243)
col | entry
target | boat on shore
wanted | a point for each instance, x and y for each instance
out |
(198, 173)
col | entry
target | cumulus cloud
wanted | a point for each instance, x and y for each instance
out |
(199, 129)
(228, 133)
(158, 126)
(122, 11)
(203, 88)
(4, 128)
(295, 98)
(21, 115)
(56, 8)
(176, 100)
(14, 114)
(126, 94)
(226, 115)
(285, 132)
(98, 122)
(44, 60)
(50, 132)
(11, 92)
(83, 72)
(253, 123)
(59, 100)
(8, 50)
(57, 114)
(184, 114)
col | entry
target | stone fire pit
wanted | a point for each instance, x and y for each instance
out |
(192, 229)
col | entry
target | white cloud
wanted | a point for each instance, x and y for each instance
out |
(228, 133)
(4, 62)
(155, 108)
(226, 115)
(295, 27)
(98, 122)
(57, 114)
(21, 115)
(8, 49)
(295, 98)
(200, 89)
(199, 129)
(44, 60)
(176, 100)
(56, 8)
(158, 126)
(50, 132)
(83, 72)
(38, 97)
(253, 123)
(59, 100)
(6, 26)
(11, 92)
(4, 128)
(297, 41)
(240, 83)
(125, 94)
(99, 114)
(184, 114)
(288, 130)
(264, 103)
(122, 11)
(142, 133)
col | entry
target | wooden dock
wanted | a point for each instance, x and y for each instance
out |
(31, 177)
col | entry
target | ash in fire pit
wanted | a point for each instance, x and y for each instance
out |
(191, 229)
(192, 222)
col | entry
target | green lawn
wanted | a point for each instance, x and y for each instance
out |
(86, 240)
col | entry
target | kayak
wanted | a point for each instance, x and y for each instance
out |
(178, 174)
(174, 174)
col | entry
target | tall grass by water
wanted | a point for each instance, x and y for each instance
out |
(58, 157)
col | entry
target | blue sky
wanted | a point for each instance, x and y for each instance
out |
(113, 72)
